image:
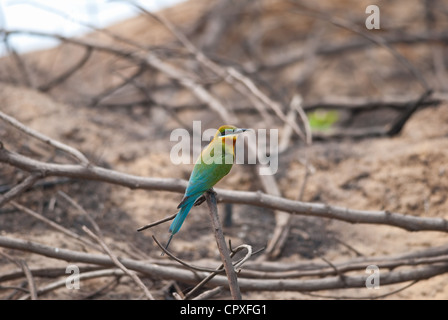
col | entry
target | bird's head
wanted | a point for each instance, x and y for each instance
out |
(228, 131)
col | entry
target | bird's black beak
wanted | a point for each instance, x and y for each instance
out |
(241, 130)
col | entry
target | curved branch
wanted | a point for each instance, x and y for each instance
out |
(64, 76)
(245, 284)
(39, 136)
(259, 199)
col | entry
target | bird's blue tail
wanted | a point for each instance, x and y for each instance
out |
(180, 217)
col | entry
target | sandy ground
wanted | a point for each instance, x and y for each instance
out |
(406, 173)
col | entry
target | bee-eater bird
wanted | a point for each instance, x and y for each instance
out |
(214, 162)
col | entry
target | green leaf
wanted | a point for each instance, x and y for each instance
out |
(322, 119)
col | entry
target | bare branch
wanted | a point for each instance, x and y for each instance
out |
(26, 272)
(210, 197)
(166, 272)
(371, 37)
(30, 279)
(67, 74)
(283, 223)
(208, 294)
(186, 264)
(39, 136)
(54, 225)
(20, 188)
(115, 260)
(220, 268)
(81, 210)
(259, 199)
(156, 223)
(396, 126)
(231, 75)
(23, 68)
(293, 55)
(186, 80)
(82, 276)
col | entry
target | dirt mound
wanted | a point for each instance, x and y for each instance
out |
(120, 113)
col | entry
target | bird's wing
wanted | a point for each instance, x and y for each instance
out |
(203, 177)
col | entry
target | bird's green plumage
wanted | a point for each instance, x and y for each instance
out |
(214, 162)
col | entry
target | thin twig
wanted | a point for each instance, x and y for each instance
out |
(26, 272)
(208, 294)
(35, 134)
(20, 188)
(283, 223)
(81, 210)
(381, 296)
(64, 76)
(30, 279)
(215, 272)
(115, 260)
(54, 225)
(369, 36)
(230, 74)
(191, 84)
(21, 65)
(109, 91)
(332, 266)
(186, 264)
(113, 283)
(284, 58)
(396, 126)
(153, 224)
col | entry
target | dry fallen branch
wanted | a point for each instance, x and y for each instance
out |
(221, 267)
(30, 279)
(39, 136)
(343, 103)
(117, 262)
(47, 272)
(336, 269)
(391, 261)
(348, 25)
(213, 272)
(26, 272)
(293, 55)
(359, 104)
(246, 284)
(259, 199)
(61, 283)
(109, 91)
(19, 188)
(68, 73)
(54, 225)
(208, 294)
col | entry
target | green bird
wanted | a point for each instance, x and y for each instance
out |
(214, 162)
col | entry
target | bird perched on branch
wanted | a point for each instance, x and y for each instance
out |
(214, 162)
